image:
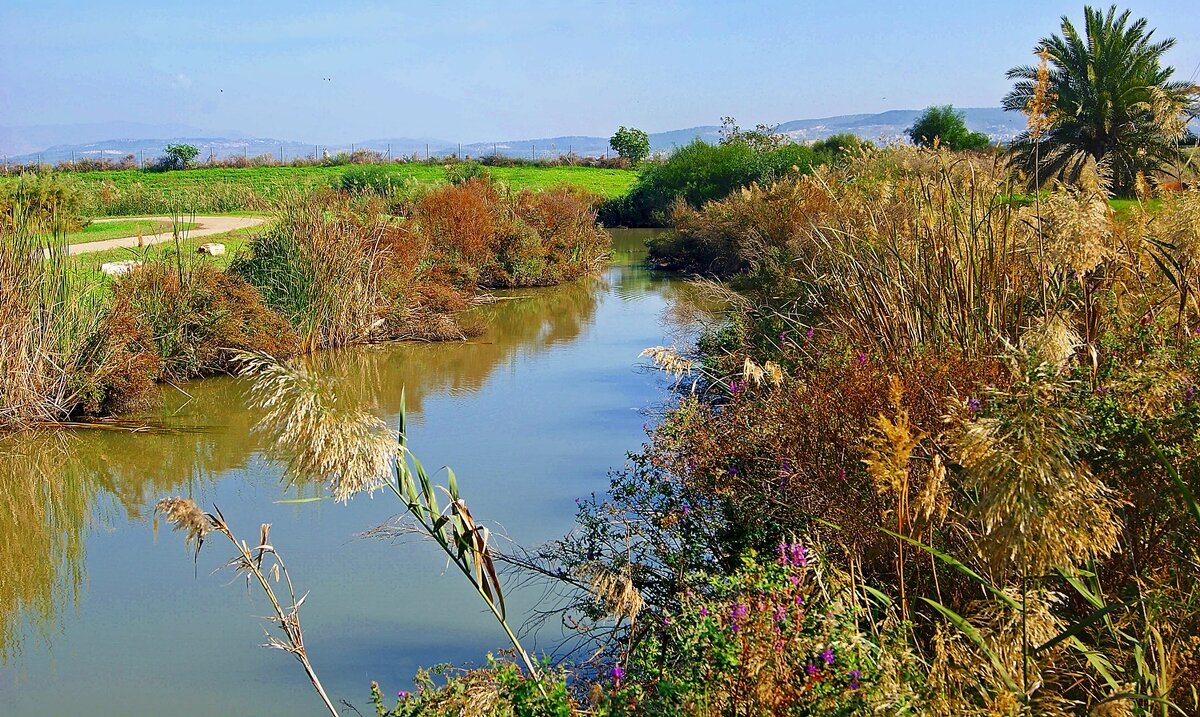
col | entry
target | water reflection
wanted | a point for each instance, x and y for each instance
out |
(57, 488)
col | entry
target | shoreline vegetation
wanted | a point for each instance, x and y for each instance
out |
(335, 267)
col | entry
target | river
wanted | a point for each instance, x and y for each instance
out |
(102, 614)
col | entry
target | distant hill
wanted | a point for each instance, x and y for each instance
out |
(24, 141)
(55, 144)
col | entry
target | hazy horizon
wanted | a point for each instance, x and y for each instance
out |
(482, 72)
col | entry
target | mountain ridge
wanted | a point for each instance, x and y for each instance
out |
(880, 127)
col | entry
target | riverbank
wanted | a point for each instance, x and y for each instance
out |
(332, 270)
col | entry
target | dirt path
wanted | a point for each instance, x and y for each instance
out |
(205, 226)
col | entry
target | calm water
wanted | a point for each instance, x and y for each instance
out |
(101, 616)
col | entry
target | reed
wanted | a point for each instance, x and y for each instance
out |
(48, 361)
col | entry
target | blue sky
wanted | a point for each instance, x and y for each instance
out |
(471, 71)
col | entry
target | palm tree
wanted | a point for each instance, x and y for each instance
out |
(1109, 101)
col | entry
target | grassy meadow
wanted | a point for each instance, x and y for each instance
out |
(125, 228)
(132, 192)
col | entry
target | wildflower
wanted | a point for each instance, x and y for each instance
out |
(973, 404)
(1190, 394)
(685, 508)
(785, 467)
(827, 656)
(403, 695)
(811, 670)
(733, 471)
(738, 611)
(666, 621)
(780, 613)
(792, 554)
(841, 474)
(862, 358)
(782, 336)
(617, 673)
(799, 598)
(703, 612)
(795, 580)
(855, 676)
(808, 334)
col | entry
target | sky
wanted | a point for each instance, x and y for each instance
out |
(479, 71)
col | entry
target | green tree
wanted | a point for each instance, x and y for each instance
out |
(178, 156)
(1108, 99)
(631, 143)
(948, 128)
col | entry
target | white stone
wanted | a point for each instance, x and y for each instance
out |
(117, 268)
(212, 249)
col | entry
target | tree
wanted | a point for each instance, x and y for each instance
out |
(945, 127)
(631, 143)
(1103, 97)
(762, 138)
(179, 155)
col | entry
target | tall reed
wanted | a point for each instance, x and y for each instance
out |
(48, 317)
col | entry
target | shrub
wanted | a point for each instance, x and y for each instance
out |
(192, 327)
(942, 126)
(700, 172)
(318, 267)
(460, 172)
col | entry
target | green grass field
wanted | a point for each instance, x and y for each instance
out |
(271, 180)
(116, 230)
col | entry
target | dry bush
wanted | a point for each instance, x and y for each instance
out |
(187, 329)
(482, 234)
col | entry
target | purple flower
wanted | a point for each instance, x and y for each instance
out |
(811, 670)
(809, 334)
(685, 508)
(841, 474)
(973, 404)
(703, 612)
(738, 611)
(782, 336)
(780, 613)
(827, 656)
(793, 555)
(862, 358)
(855, 676)
(785, 467)
(402, 695)
(666, 621)
(1190, 394)
(735, 386)
(795, 580)
(616, 672)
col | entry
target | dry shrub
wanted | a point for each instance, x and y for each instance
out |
(907, 248)
(481, 233)
(192, 327)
